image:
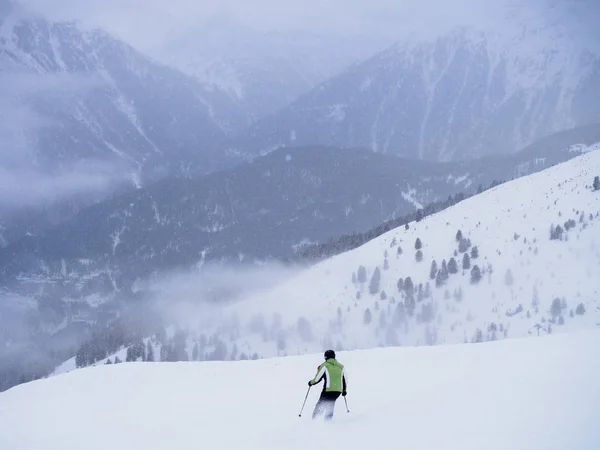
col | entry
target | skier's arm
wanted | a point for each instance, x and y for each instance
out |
(319, 376)
(344, 380)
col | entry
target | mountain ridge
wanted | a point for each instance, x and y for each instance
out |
(467, 94)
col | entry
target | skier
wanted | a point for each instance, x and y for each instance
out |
(334, 378)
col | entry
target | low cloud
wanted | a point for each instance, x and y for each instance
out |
(196, 299)
(28, 177)
(23, 188)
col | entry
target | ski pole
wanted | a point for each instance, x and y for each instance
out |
(345, 400)
(303, 404)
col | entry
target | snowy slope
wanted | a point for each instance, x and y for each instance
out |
(523, 272)
(518, 394)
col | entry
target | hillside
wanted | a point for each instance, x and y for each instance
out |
(524, 266)
(79, 274)
(539, 394)
(469, 93)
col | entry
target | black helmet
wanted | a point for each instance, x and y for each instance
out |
(329, 354)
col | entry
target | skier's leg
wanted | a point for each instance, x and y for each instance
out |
(319, 406)
(330, 405)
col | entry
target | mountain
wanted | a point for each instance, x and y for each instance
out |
(84, 115)
(539, 394)
(262, 71)
(468, 93)
(79, 277)
(81, 95)
(514, 261)
(261, 210)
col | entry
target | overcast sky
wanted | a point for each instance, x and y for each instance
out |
(146, 22)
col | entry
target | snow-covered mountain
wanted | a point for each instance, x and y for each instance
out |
(70, 95)
(262, 71)
(83, 116)
(468, 93)
(515, 261)
(539, 394)
(82, 274)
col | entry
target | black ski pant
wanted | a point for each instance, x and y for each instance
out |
(326, 404)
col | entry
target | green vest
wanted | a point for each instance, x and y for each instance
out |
(334, 375)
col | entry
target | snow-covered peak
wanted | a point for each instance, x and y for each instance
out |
(470, 92)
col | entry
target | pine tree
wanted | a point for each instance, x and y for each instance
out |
(195, 352)
(362, 274)
(150, 353)
(399, 252)
(596, 183)
(580, 310)
(367, 317)
(409, 287)
(475, 274)
(442, 275)
(452, 266)
(386, 265)
(418, 244)
(433, 271)
(464, 245)
(117, 360)
(419, 256)
(375, 280)
(474, 253)
(400, 284)
(556, 307)
(234, 353)
(466, 262)
(459, 236)
(420, 293)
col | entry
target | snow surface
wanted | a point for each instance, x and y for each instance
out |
(516, 394)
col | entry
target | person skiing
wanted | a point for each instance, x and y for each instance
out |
(333, 375)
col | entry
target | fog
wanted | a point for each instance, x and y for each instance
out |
(29, 178)
(148, 23)
(34, 340)
(196, 298)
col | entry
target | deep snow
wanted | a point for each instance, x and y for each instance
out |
(514, 394)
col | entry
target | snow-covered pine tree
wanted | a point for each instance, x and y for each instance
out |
(375, 281)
